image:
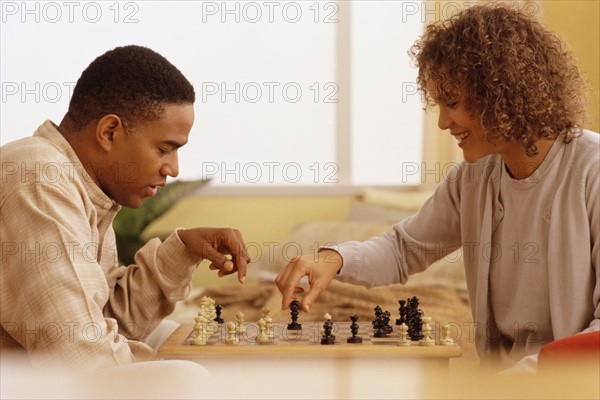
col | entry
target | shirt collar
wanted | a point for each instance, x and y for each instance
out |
(49, 131)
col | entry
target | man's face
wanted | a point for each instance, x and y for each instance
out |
(141, 160)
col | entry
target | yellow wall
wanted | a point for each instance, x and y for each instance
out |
(578, 22)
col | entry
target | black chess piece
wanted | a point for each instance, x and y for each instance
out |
(414, 317)
(378, 313)
(354, 329)
(402, 310)
(328, 338)
(386, 322)
(294, 310)
(380, 330)
(218, 309)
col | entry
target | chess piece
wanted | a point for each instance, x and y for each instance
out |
(379, 326)
(328, 338)
(240, 321)
(218, 309)
(231, 338)
(387, 328)
(354, 329)
(207, 309)
(378, 311)
(446, 339)
(268, 322)
(294, 310)
(263, 334)
(402, 310)
(200, 333)
(413, 319)
(427, 340)
(404, 341)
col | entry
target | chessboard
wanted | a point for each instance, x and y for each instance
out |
(306, 342)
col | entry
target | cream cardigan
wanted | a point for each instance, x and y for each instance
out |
(463, 212)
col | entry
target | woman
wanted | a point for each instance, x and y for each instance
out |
(524, 205)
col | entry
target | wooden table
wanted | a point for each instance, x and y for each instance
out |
(296, 365)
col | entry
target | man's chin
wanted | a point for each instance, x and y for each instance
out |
(132, 202)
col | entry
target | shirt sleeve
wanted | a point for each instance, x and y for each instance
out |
(414, 244)
(146, 292)
(56, 299)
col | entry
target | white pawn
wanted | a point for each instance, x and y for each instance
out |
(427, 340)
(268, 322)
(446, 339)
(231, 338)
(263, 335)
(240, 320)
(404, 335)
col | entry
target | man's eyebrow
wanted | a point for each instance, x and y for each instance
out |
(174, 143)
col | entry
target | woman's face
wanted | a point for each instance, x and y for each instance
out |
(466, 129)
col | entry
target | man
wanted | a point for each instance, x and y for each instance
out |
(64, 298)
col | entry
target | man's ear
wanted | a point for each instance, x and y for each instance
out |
(108, 129)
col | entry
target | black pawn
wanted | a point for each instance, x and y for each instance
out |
(328, 338)
(218, 309)
(294, 308)
(354, 330)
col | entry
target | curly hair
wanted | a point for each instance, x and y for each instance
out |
(516, 77)
(132, 82)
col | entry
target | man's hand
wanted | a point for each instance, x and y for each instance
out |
(320, 272)
(214, 244)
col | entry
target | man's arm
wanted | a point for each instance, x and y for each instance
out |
(52, 287)
(146, 292)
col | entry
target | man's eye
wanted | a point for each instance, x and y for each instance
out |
(452, 104)
(163, 150)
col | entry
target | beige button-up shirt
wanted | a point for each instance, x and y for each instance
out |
(63, 296)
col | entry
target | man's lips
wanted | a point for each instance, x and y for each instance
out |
(153, 189)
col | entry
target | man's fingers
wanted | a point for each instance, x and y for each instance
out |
(240, 256)
(218, 260)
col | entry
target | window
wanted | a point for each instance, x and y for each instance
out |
(288, 93)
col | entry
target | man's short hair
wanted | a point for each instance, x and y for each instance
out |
(132, 82)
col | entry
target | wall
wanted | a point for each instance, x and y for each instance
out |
(578, 22)
(268, 218)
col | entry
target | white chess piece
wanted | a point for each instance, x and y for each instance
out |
(231, 338)
(240, 321)
(200, 331)
(404, 341)
(263, 335)
(427, 340)
(446, 339)
(268, 322)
